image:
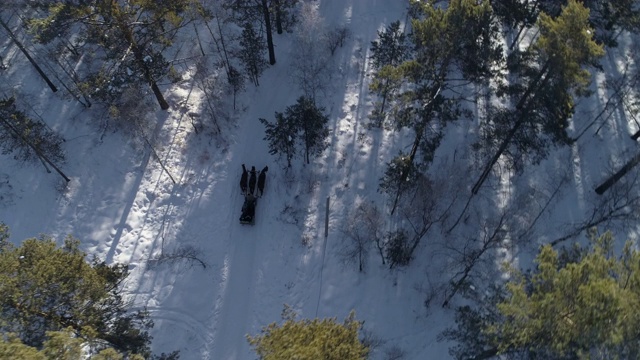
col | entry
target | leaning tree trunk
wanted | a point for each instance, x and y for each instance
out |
(617, 176)
(522, 114)
(26, 54)
(267, 23)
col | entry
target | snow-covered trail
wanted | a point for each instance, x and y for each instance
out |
(266, 265)
(247, 244)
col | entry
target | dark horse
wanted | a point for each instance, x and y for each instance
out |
(252, 180)
(261, 179)
(243, 180)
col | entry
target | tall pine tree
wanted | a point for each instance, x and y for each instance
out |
(550, 74)
(46, 288)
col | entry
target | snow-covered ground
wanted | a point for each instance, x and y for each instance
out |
(124, 207)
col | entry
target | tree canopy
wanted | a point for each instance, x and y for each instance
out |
(582, 303)
(310, 339)
(46, 289)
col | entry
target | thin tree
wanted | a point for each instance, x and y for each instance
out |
(26, 54)
(267, 24)
(251, 53)
(464, 37)
(389, 51)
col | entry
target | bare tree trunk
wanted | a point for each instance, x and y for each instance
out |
(156, 91)
(278, 16)
(267, 23)
(618, 175)
(195, 28)
(220, 46)
(24, 51)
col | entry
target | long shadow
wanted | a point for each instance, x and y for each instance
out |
(161, 119)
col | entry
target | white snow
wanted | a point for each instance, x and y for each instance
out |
(125, 208)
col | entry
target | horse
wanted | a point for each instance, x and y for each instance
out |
(261, 179)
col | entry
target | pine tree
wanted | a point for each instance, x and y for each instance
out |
(551, 74)
(577, 304)
(128, 35)
(312, 125)
(310, 339)
(47, 288)
(259, 13)
(59, 345)
(26, 138)
(460, 37)
(281, 136)
(391, 48)
(303, 122)
(252, 53)
(586, 307)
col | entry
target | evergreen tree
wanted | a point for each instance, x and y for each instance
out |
(391, 48)
(393, 183)
(303, 122)
(312, 125)
(252, 53)
(284, 14)
(47, 288)
(59, 345)
(259, 13)
(310, 339)
(583, 308)
(549, 76)
(460, 37)
(26, 138)
(579, 304)
(281, 136)
(128, 35)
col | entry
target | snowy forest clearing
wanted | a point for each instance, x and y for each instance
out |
(158, 189)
